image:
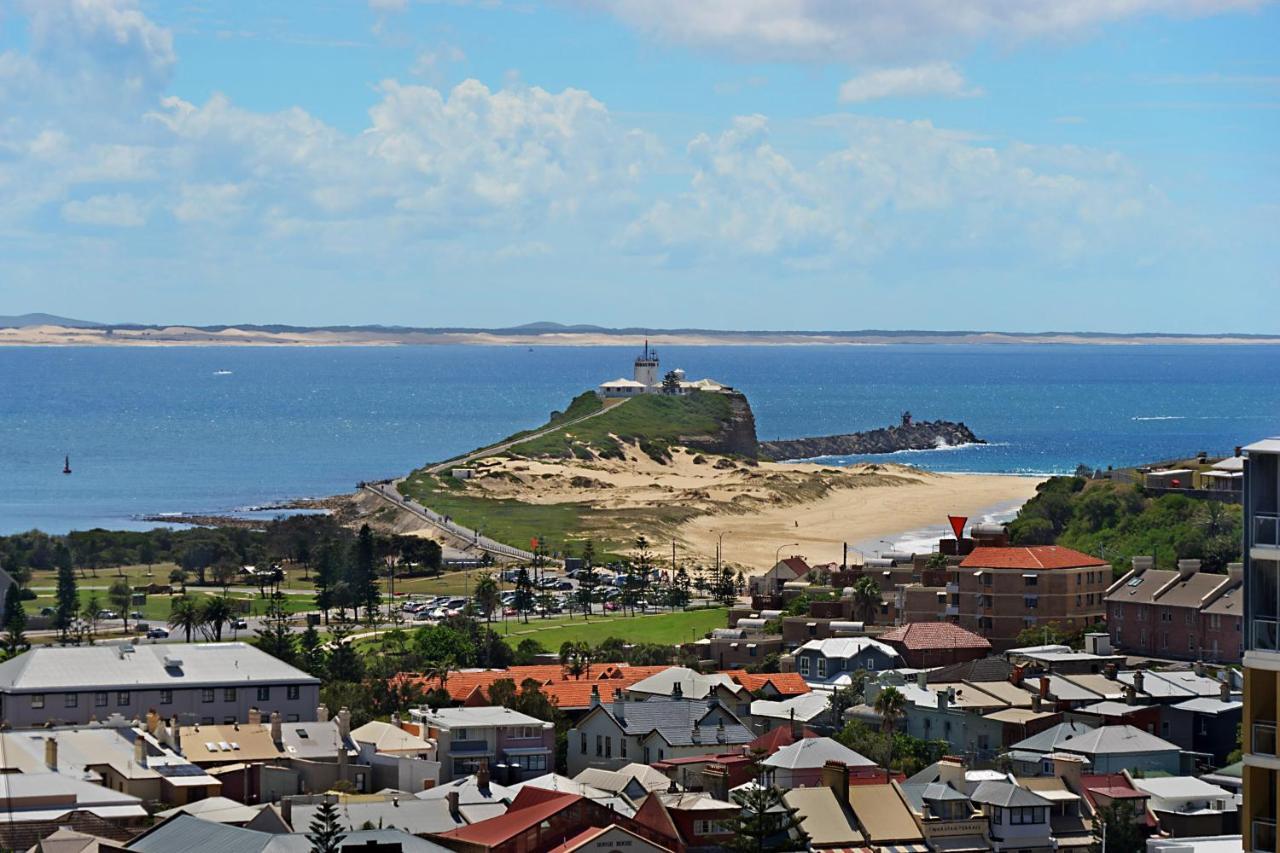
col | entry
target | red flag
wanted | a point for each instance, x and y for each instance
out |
(957, 524)
(533, 543)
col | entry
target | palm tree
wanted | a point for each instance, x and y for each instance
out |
(866, 598)
(575, 658)
(186, 614)
(486, 595)
(216, 611)
(891, 704)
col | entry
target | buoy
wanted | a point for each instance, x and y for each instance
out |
(66, 465)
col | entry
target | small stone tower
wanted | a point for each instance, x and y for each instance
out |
(647, 367)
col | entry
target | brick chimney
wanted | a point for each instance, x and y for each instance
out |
(344, 723)
(797, 728)
(254, 718)
(595, 695)
(619, 705)
(1044, 686)
(1187, 568)
(139, 750)
(277, 727)
(396, 721)
(1016, 674)
(677, 692)
(1068, 768)
(452, 799)
(1141, 564)
(1224, 689)
(1137, 680)
(322, 713)
(482, 778)
(51, 753)
(835, 775)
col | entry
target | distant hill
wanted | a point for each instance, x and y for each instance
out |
(21, 321)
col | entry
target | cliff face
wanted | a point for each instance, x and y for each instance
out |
(736, 433)
(921, 435)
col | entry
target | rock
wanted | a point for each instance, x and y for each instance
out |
(920, 435)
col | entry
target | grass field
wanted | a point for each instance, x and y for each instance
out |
(157, 608)
(664, 628)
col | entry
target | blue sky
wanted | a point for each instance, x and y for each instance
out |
(1103, 165)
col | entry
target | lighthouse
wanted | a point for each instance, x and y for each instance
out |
(646, 372)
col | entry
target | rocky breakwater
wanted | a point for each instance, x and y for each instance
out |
(909, 435)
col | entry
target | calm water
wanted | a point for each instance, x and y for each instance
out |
(212, 430)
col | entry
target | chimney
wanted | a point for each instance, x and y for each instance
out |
(1224, 690)
(452, 798)
(344, 723)
(1109, 671)
(922, 679)
(1044, 686)
(277, 727)
(153, 720)
(720, 731)
(139, 750)
(1068, 768)
(396, 721)
(1238, 450)
(1141, 564)
(1130, 695)
(835, 775)
(1016, 674)
(51, 753)
(1235, 571)
(1198, 668)
(1137, 681)
(944, 696)
(254, 718)
(286, 810)
(677, 692)
(1036, 703)
(1187, 568)
(797, 729)
(619, 706)
(482, 778)
(696, 734)
(322, 713)
(175, 735)
(951, 772)
(595, 695)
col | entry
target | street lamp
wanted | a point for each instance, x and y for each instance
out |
(777, 552)
(887, 542)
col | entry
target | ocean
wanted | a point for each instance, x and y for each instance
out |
(215, 430)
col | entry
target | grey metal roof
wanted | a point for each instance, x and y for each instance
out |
(418, 817)
(918, 793)
(675, 720)
(84, 668)
(192, 835)
(1050, 739)
(1006, 795)
(816, 752)
(1087, 740)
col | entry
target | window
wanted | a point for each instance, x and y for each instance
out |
(166, 697)
(1031, 601)
(1215, 621)
(264, 694)
(70, 700)
(582, 744)
(1191, 644)
(1077, 599)
(291, 718)
(822, 667)
(206, 721)
(1026, 815)
(229, 694)
(622, 746)
(1190, 617)
(1080, 579)
(122, 698)
(608, 747)
(1030, 580)
(229, 720)
(804, 665)
(292, 691)
(206, 695)
(37, 700)
(100, 699)
(599, 745)
(459, 734)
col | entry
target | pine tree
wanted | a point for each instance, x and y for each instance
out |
(314, 658)
(766, 823)
(67, 603)
(324, 832)
(274, 637)
(15, 622)
(523, 601)
(368, 595)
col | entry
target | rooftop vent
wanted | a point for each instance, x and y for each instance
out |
(172, 662)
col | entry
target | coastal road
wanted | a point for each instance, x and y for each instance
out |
(387, 491)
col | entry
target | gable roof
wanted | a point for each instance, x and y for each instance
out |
(530, 807)
(816, 752)
(803, 708)
(693, 684)
(626, 838)
(1143, 588)
(1029, 558)
(823, 817)
(883, 815)
(796, 564)
(934, 635)
(785, 683)
(847, 647)
(1194, 590)
(564, 690)
(773, 741)
(388, 738)
(675, 719)
(980, 670)
(1006, 795)
(1230, 603)
(1103, 740)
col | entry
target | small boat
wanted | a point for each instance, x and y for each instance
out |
(66, 465)
(222, 373)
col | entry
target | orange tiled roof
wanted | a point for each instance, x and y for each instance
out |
(934, 635)
(786, 683)
(565, 690)
(1031, 558)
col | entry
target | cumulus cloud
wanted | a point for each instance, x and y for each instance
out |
(113, 211)
(879, 30)
(934, 78)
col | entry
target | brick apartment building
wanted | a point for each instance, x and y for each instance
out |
(998, 592)
(1185, 614)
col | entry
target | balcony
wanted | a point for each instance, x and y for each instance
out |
(1264, 836)
(1264, 738)
(1266, 530)
(470, 747)
(953, 588)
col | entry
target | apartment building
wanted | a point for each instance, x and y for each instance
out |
(1185, 614)
(1262, 644)
(493, 736)
(998, 592)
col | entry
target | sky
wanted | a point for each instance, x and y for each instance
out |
(1094, 165)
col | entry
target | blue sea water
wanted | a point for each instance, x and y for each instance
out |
(217, 429)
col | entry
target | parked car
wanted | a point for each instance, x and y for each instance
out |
(108, 614)
(240, 624)
(157, 633)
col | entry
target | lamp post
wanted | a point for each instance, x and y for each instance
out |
(777, 552)
(887, 542)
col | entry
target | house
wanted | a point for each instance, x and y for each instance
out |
(1109, 749)
(192, 835)
(217, 810)
(515, 745)
(613, 734)
(417, 817)
(632, 781)
(1185, 614)
(771, 685)
(38, 803)
(829, 662)
(826, 820)
(1206, 726)
(884, 818)
(701, 821)
(679, 681)
(923, 645)
(799, 765)
(728, 648)
(195, 682)
(811, 709)
(602, 838)
(1018, 819)
(945, 815)
(772, 581)
(398, 755)
(570, 693)
(474, 798)
(1186, 806)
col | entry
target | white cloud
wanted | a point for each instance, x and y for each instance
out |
(111, 35)
(934, 78)
(879, 30)
(114, 211)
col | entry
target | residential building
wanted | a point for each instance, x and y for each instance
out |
(998, 592)
(800, 764)
(831, 662)
(682, 682)
(1205, 726)
(1187, 806)
(619, 732)
(784, 571)
(810, 709)
(196, 682)
(606, 838)
(826, 819)
(884, 817)
(515, 745)
(730, 648)
(1018, 819)
(1109, 749)
(570, 693)
(192, 835)
(946, 816)
(1262, 644)
(473, 798)
(931, 644)
(1185, 614)
(36, 804)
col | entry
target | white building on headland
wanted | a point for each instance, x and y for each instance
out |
(646, 379)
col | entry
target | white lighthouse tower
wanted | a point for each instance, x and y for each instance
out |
(646, 372)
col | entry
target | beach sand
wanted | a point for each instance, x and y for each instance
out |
(855, 516)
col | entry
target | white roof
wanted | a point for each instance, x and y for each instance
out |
(84, 668)
(388, 738)
(815, 752)
(847, 647)
(216, 809)
(616, 780)
(1199, 844)
(482, 717)
(693, 684)
(1207, 705)
(1267, 445)
(806, 707)
(622, 383)
(1180, 788)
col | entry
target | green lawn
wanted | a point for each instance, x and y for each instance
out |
(157, 608)
(664, 628)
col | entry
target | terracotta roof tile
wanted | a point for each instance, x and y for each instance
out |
(934, 635)
(786, 683)
(530, 807)
(565, 690)
(1030, 558)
